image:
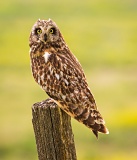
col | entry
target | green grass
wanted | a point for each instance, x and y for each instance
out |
(103, 36)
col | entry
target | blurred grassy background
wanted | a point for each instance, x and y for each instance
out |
(103, 36)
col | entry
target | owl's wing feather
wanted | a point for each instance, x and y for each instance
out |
(71, 92)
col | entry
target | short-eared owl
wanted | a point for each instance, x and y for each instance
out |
(61, 76)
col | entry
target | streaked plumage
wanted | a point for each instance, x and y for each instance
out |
(61, 76)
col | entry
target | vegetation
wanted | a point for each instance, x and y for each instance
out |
(103, 36)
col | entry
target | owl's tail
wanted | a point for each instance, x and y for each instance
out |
(92, 119)
(99, 128)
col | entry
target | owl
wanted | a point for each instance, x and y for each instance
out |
(61, 76)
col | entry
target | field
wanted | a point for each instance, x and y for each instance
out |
(103, 36)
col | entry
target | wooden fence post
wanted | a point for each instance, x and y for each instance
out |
(53, 132)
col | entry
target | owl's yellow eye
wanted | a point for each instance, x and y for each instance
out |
(38, 31)
(52, 30)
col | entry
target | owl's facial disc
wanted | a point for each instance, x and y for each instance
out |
(46, 34)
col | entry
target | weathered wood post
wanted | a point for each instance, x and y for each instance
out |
(53, 132)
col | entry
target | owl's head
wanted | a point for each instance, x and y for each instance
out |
(44, 31)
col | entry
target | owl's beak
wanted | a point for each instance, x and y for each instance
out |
(45, 37)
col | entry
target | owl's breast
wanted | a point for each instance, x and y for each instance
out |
(38, 67)
(43, 69)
